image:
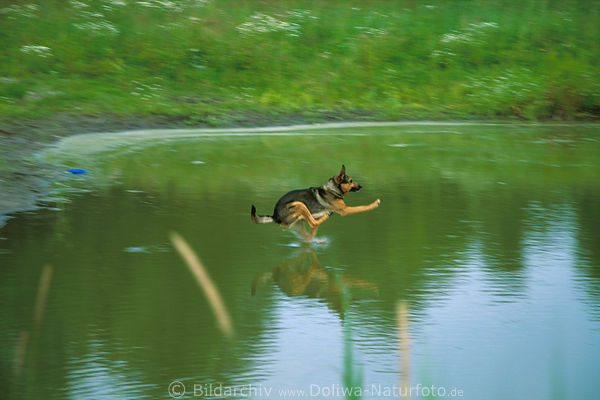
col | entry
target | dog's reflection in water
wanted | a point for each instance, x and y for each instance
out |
(304, 276)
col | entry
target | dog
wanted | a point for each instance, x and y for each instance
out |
(314, 205)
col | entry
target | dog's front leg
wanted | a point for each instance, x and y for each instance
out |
(358, 209)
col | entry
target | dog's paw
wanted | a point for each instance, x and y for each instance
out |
(319, 240)
(377, 202)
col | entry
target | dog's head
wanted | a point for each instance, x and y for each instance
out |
(345, 183)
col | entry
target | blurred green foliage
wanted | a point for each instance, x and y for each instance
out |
(532, 59)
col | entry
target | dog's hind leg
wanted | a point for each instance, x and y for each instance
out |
(313, 232)
(299, 227)
(299, 209)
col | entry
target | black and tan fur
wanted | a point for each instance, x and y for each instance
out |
(314, 205)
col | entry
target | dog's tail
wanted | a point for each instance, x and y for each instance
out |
(260, 219)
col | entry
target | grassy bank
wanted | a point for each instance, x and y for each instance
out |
(212, 62)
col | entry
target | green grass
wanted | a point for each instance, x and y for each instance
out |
(213, 61)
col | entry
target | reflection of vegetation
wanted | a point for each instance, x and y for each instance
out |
(218, 62)
(205, 282)
(352, 376)
(544, 154)
(459, 204)
(137, 320)
(588, 237)
(451, 182)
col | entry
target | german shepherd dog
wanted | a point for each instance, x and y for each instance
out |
(314, 205)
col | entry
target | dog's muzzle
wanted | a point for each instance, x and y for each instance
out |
(356, 188)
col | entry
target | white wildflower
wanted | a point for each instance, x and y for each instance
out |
(474, 34)
(147, 91)
(457, 38)
(161, 4)
(442, 53)
(484, 25)
(41, 51)
(263, 23)
(100, 28)
(25, 10)
(78, 5)
(370, 31)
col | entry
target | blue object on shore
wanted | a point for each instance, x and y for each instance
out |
(77, 171)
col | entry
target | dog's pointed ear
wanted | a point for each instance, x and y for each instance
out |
(340, 178)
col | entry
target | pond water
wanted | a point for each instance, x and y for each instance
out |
(478, 277)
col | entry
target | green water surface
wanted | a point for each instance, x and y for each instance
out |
(487, 235)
